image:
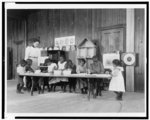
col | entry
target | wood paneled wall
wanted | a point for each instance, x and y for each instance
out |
(111, 17)
(83, 23)
(15, 45)
(139, 49)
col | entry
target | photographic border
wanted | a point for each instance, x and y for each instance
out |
(75, 117)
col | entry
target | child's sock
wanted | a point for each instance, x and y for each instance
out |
(120, 95)
(18, 86)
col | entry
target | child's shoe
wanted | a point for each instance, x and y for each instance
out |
(21, 92)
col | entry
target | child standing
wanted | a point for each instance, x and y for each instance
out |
(20, 70)
(117, 81)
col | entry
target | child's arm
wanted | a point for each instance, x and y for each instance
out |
(115, 73)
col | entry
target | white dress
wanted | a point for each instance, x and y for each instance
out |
(51, 67)
(33, 54)
(117, 81)
(61, 66)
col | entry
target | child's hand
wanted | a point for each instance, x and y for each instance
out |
(107, 72)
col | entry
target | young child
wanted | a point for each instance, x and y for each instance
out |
(20, 70)
(96, 68)
(81, 68)
(51, 66)
(117, 81)
(61, 66)
(72, 81)
(28, 79)
(50, 69)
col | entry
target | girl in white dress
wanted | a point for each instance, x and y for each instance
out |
(60, 81)
(117, 81)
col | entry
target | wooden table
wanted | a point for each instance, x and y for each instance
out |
(88, 76)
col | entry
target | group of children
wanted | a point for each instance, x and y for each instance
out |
(116, 83)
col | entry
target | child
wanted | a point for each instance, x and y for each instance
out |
(50, 69)
(72, 81)
(51, 66)
(61, 66)
(28, 80)
(96, 68)
(81, 68)
(117, 81)
(20, 70)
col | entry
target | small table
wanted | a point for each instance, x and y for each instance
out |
(88, 76)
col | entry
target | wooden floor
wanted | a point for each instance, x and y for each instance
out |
(59, 102)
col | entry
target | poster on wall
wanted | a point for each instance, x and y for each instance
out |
(65, 41)
(108, 58)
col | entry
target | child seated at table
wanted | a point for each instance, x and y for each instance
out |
(60, 81)
(81, 68)
(48, 67)
(51, 67)
(96, 68)
(28, 79)
(72, 81)
(20, 70)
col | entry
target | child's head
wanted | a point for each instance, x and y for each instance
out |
(116, 62)
(29, 62)
(48, 62)
(23, 62)
(62, 58)
(95, 58)
(82, 62)
(69, 63)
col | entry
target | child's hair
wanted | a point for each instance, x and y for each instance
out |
(116, 62)
(69, 61)
(83, 60)
(63, 56)
(95, 57)
(69, 64)
(23, 62)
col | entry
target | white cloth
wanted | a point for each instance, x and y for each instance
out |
(117, 81)
(61, 66)
(20, 69)
(52, 67)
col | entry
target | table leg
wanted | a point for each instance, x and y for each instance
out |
(89, 89)
(32, 87)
